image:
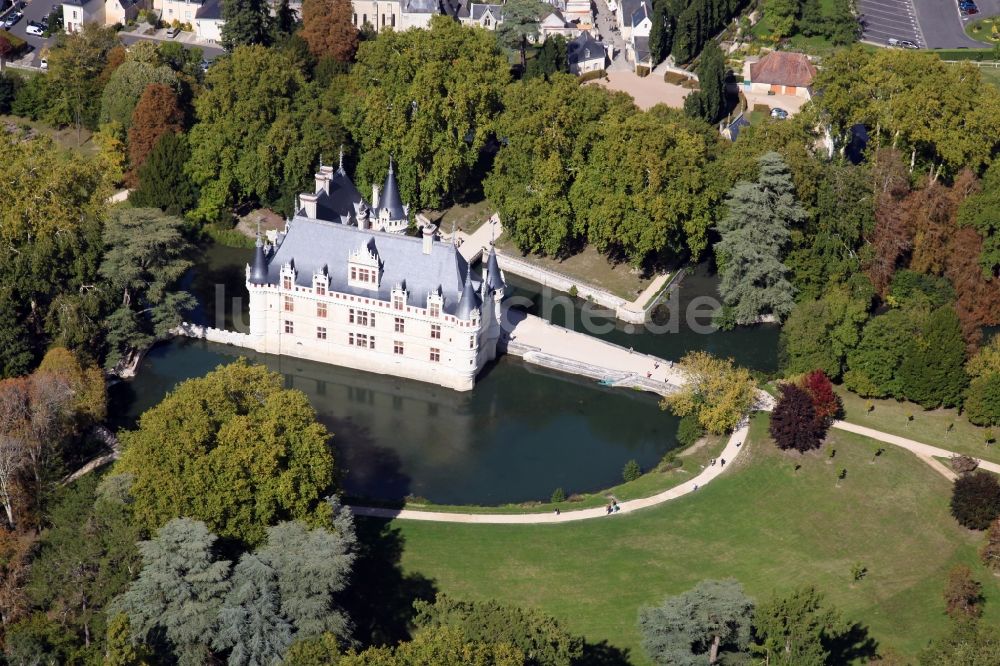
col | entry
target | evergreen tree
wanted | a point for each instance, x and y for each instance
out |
(328, 28)
(284, 19)
(811, 21)
(121, 650)
(246, 22)
(661, 33)
(873, 366)
(792, 630)
(520, 23)
(982, 398)
(179, 591)
(250, 622)
(703, 624)
(163, 183)
(933, 371)
(157, 113)
(755, 233)
(712, 81)
(967, 643)
(311, 567)
(551, 58)
(794, 424)
(145, 258)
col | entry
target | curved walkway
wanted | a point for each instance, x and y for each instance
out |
(729, 454)
(926, 452)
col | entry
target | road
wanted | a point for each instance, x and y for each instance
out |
(944, 26)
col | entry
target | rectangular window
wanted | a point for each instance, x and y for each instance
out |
(400, 325)
(321, 310)
(397, 348)
(289, 304)
(435, 309)
(286, 282)
(393, 20)
(321, 290)
(354, 273)
(435, 355)
(289, 327)
(321, 332)
(472, 341)
(435, 331)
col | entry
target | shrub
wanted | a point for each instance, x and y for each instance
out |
(990, 553)
(573, 291)
(558, 495)
(964, 464)
(632, 471)
(674, 78)
(859, 571)
(642, 71)
(762, 108)
(689, 430)
(975, 500)
(793, 422)
(963, 594)
(16, 42)
(593, 76)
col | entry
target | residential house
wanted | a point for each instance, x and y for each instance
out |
(485, 16)
(208, 21)
(556, 24)
(731, 130)
(780, 73)
(102, 12)
(635, 23)
(394, 14)
(585, 54)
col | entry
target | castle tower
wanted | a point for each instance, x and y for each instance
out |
(390, 213)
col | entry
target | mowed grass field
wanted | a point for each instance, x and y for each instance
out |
(765, 523)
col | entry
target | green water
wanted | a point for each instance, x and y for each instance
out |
(519, 435)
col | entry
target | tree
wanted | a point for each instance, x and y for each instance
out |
(658, 200)
(963, 464)
(179, 591)
(827, 404)
(38, 639)
(551, 58)
(975, 500)
(442, 648)
(162, 181)
(982, 398)
(251, 625)
(661, 33)
(84, 560)
(321, 651)
(783, 14)
(520, 24)
(192, 454)
(127, 86)
(328, 28)
(246, 23)
(709, 621)
(932, 373)
(963, 594)
(15, 555)
(540, 637)
(145, 259)
(873, 366)
(6, 50)
(792, 630)
(979, 211)
(990, 553)
(430, 99)
(820, 334)
(710, 99)
(311, 568)
(755, 232)
(794, 423)
(76, 64)
(716, 391)
(968, 643)
(121, 649)
(156, 113)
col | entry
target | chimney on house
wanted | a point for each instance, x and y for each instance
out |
(429, 231)
(308, 202)
(374, 197)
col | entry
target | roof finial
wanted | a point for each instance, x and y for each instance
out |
(454, 238)
(321, 161)
(341, 166)
(390, 164)
(259, 242)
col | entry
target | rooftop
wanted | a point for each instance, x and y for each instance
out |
(211, 9)
(784, 68)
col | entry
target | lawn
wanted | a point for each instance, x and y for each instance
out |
(990, 75)
(982, 30)
(589, 267)
(929, 427)
(463, 217)
(66, 137)
(766, 524)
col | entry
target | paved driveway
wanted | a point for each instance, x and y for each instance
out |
(944, 27)
(35, 11)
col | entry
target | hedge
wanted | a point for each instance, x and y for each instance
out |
(15, 41)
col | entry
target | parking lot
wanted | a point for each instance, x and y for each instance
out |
(882, 20)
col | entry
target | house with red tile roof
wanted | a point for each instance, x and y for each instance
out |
(780, 73)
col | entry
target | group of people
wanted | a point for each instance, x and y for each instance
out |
(612, 507)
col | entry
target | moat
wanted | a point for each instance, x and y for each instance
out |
(517, 436)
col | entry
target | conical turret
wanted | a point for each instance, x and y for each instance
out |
(258, 274)
(468, 301)
(494, 278)
(390, 199)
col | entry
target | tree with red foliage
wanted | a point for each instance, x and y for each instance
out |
(963, 594)
(156, 113)
(975, 500)
(793, 422)
(6, 49)
(827, 404)
(978, 295)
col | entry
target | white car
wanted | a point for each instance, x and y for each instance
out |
(44, 64)
(34, 29)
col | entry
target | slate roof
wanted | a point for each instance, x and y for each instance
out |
(639, 14)
(477, 10)
(734, 127)
(494, 278)
(389, 197)
(343, 200)
(584, 48)
(783, 68)
(628, 8)
(211, 9)
(642, 54)
(313, 245)
(422, 7)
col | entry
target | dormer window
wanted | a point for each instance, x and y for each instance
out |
(398, 299)
(363, 267)
(321, 282)
(288, 276)
(434, 302)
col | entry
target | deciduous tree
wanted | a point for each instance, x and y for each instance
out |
(127, 86)
(794, 424)
(982, 398)
(700, 625)
(975, 500)
(232, 448)
(717, 392)
(520, 24)
(793, 629)
(328, 28)
(157, 112)
(963, 594)
(990, 552)
(968, 643)
(933, 370)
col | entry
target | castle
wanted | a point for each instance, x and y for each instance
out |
(344, 284)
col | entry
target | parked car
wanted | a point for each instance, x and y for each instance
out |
(44, 64)
(12, 19)
(780, 114)
(906, 44)
(34, 28)
(173, 32)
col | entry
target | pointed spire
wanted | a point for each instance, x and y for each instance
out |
(258, 274)
(321, 161)
(390, 199)
(494, 278)
(340, 168)
(468, 301)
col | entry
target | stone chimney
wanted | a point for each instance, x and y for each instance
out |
(374, 197)
(308, 202)
(321, 181)
(429, 231)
